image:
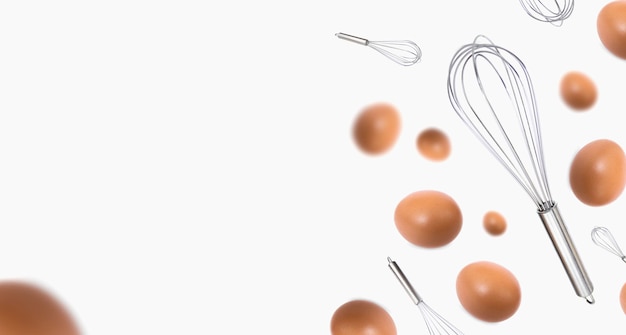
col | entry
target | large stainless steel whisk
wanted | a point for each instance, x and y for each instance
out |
(491, 91)
(554, 13)
(435, 323)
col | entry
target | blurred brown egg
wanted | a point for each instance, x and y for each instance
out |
(433, 144)
(622, 298)
(428, 218)
(377, 128)
(488, 291)
(26, 309)
(578, 91)
(362, 317)
(494, 223)
(598, 172)
(611, 25)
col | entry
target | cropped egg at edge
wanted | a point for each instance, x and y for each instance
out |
(611, 26)
(362, 317)
(598, 172)
(27, 309)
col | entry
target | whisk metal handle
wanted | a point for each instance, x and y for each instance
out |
(355, 39)
(405, 282)
(553, 222)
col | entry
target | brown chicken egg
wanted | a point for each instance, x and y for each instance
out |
(622, 298)
(578, 91)
(488, 291)
(428, 218)
(494, 223)
(377, 128)
(433, 144)
(26, 309)
(362, 317)
(598, 172)
(611, 26)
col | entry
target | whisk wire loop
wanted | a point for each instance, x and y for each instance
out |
(603, 238)
(556, 14)
(511, 74)
(435, 323)
(513, 90)
(403, 52)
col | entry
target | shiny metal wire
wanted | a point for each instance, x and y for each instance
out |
(524, 159)
(552, 11)
(436, 324)
(603, 238)
(403, 52)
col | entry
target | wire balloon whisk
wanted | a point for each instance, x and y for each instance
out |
(491, 91)
(603, 238)
(554, 13)
(435, 323)
(403, 52)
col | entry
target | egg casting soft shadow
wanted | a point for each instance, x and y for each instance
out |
(27, 309)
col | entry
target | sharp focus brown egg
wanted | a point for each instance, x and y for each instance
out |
(494, 223)
(362, 317)
(598, 172)
(433, 144)
(26, 309)
(428, 218)
(611, 25)
(578, 91)
(377, 128)
(622, 298)
(488, 291)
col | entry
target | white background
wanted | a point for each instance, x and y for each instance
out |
(187, 167)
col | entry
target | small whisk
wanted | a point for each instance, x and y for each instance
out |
(555, 14)
(436, 323)
(507, 123)
(403, 52)
(603, 238)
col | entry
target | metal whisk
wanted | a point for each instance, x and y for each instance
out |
(403, 52)
(436, 323)
(491, 91)
(555, 14)
(603, 238)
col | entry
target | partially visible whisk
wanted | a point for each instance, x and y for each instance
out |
(603, 238)
(436, 323)
(554, 14)
(403, 52)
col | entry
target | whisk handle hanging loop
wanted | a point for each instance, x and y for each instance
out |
(404, 281)
(553, 222)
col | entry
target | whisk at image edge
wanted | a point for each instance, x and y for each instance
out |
(603, 238)
(435, 323)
